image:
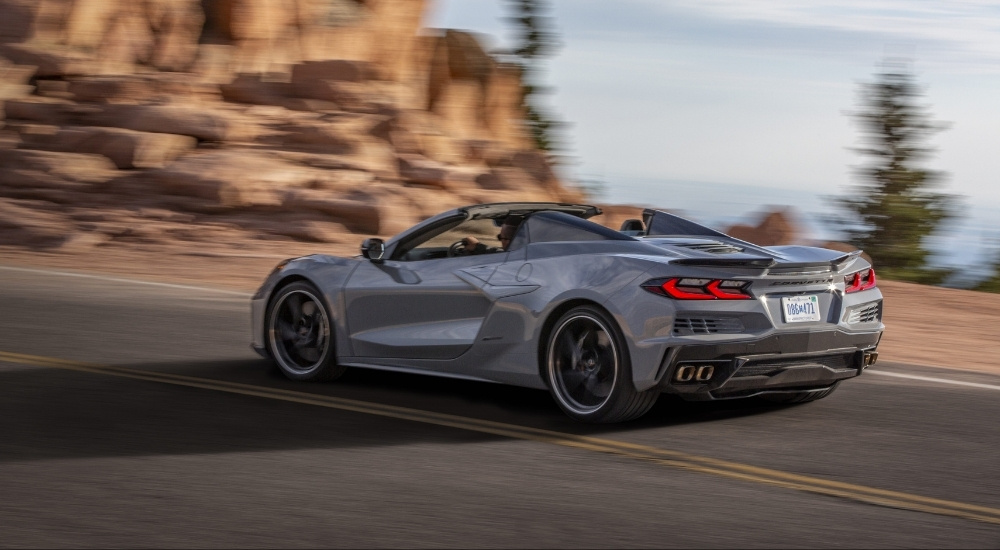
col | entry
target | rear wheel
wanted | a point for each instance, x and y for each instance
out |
(300, 334)
(589, 371)
(791, 398)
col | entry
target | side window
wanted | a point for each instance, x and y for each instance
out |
(445, 243)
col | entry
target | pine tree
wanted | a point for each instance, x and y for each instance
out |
(992, 283)
(893, 205)
(536, 40)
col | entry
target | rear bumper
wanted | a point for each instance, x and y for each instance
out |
(780, 362)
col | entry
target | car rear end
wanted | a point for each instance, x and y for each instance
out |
(740, 327)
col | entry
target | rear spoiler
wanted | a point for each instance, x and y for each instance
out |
(763, 263)
(727, 262)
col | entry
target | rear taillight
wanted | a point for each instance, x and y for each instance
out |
(862, 280)
(699, 289)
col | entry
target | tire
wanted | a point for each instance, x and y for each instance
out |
(300, 336)
(589, 371)
(794, 398)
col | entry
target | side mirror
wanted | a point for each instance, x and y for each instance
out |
(373, 249)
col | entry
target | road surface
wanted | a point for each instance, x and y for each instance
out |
(135, 415)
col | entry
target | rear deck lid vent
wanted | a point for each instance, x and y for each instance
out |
(713, 247)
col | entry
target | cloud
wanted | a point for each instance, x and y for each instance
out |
(962, 35)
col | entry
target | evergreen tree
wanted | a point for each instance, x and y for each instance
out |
(893, 205)
(536, 40)
(992, 283)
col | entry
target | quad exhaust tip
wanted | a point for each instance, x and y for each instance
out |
(688, 373)
(870, 358)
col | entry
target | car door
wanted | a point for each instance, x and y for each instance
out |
(426, 309)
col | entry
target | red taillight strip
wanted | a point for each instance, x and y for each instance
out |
(871, 280)
(714, 289)
(670, 287)
(857, 284)
(711, 290)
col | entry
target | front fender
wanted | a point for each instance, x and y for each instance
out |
(329, 274)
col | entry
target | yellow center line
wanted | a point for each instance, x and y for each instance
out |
(665, 457)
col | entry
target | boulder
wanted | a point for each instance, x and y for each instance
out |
(42, 110)
(126, 148)
(775, 227)
(306, 74)
(319, 136)
(111, 89)
(185, 120)
(50, 62)
(232, 178)
(18, 21)
(507, 178)
(14, 80)
(418, 170)
(363, 216)
(536, 165)
(82, 241)
(252, 88)
(297, 226)
(347, 96)
(71, 167)
(23, 223)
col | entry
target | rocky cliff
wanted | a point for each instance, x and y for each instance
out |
(148, 121)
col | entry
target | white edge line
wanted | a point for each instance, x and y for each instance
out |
(130, 281)
(938, 380)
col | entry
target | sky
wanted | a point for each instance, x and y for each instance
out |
(757, 93)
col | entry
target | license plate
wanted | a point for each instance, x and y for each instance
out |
(800, 308)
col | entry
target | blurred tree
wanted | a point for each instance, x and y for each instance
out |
(992, 283)
(892, 206)
(535, 41)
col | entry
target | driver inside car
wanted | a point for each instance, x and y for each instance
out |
(507, 232)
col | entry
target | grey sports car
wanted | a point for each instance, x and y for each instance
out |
(605, 320)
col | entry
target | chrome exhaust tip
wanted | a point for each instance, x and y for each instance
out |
(705, 373)
(870, 358)
(685, 373)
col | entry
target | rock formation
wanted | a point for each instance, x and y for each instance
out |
(776, 227)
(151, 120)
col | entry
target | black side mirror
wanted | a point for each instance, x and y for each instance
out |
(373, 249)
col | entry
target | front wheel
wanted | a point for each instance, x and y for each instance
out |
(300, 334)
(589, 371)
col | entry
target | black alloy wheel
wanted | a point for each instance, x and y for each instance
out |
(589, 371)
(300, 334)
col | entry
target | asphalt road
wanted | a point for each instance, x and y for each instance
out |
(129, 417)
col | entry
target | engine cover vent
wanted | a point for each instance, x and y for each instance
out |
(865, 313)
(714, 247)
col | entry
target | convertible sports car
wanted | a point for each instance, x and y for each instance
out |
(606, 320)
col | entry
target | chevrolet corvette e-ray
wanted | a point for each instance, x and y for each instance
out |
(605, 320)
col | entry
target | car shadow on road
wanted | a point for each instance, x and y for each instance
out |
(50, 413)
